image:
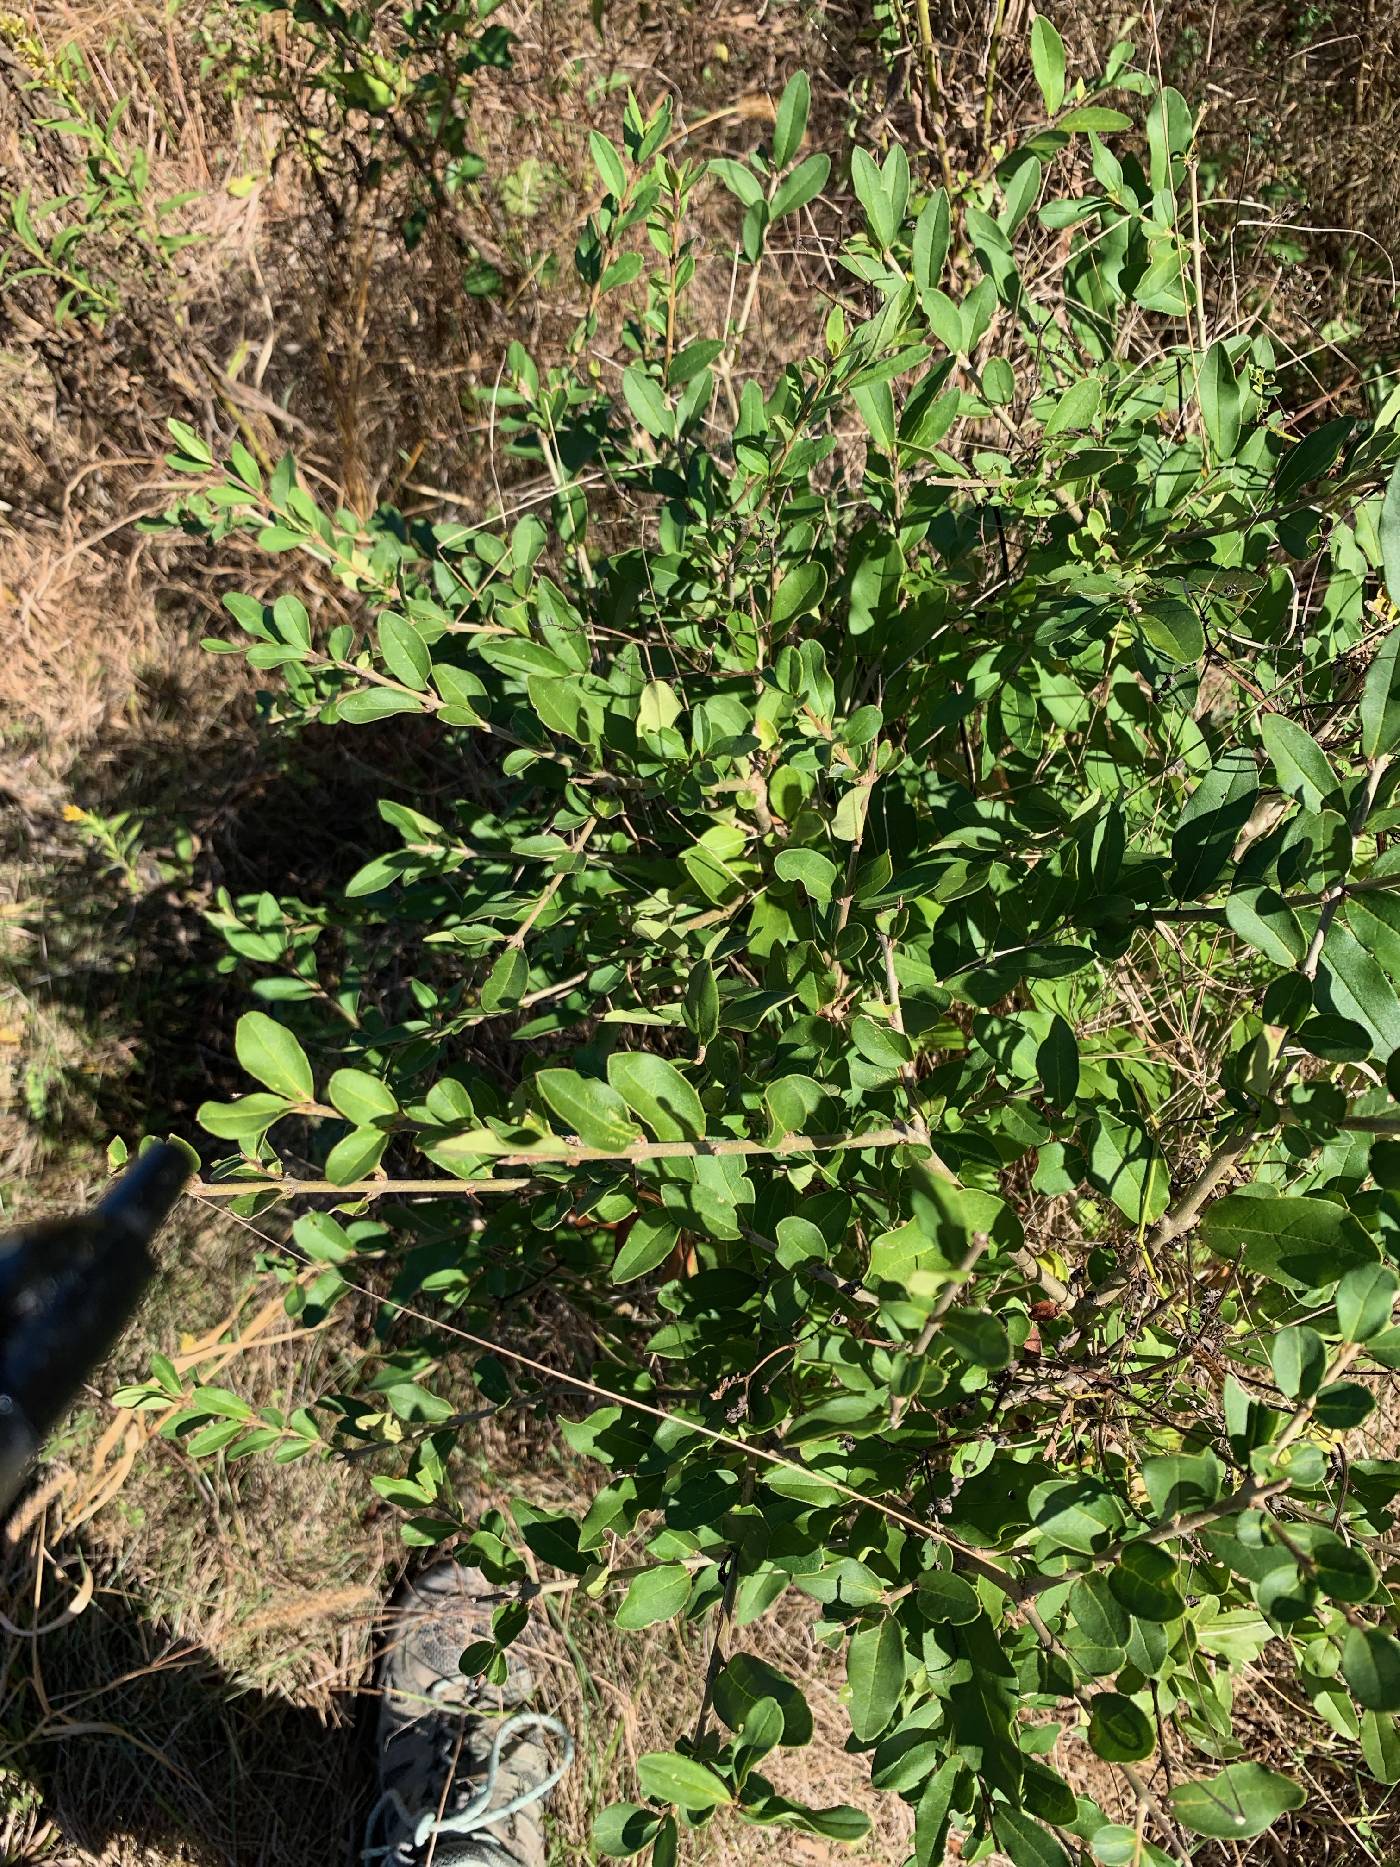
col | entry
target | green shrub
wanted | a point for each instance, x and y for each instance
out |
(80, 251)
(905, 947)
(368, 96)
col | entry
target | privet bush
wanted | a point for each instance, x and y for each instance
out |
(906, 943)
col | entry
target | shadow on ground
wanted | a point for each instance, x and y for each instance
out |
(127, 1000)
(132, 1733)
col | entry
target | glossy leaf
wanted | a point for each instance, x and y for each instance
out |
(268, 1051)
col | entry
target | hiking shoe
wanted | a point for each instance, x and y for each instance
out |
(463, 1771)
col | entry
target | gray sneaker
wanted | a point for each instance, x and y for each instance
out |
(463, 1772)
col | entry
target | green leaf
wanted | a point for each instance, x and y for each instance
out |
(322, 1237)
(693, 358)
(213, 1438)
(876, 404)
(869, 185)
(1352, 984)
(1096, 117)
(1300, 762)
(790, 125)
(245, 1118)
(941, 1596)
(561, 704)
(1388, 527)
(292, 622)
(191, 445)
(875, 1676)
(650, 1242)
(1144, 1581)
(1243, 1800)
(1365, 1299)
(1126, 1163)
(507, 980)
(1222, 401)
(1117, 1845)
(655, 1595)
(947, 320)
(683, 1781)
(761, 1729)
(1079, 1513)
(268, 1051)
(1024, 1842)
(1119, 1730)
(361, 1098)
(998, 382)
(905, 1758)
(1048, 63)
(365, 705)
(803, 185)
(1341, 1570)
(1343, 1405)
(1057, 1063)
(839, 1823)
(880, 1043)
(656, 1091)
(745, 1681)
(1180, 1482)
(982, 1708)
(356, 1156)
(608, 163)
(1076, 408)
(852, 807)
(1173, 628)
(929, 247)
(1380, 697)
(592, 1110)
(624, 1828)
(931, 1815)
(1298, 1357)
(1213, 817)
(739, 179)
(1263, 919)
(1380, 1745)
(404, 652)
(702, 1006)
(1371, 1667)
(817, 873)
(1097, 1611)
(978, 1338)
(1305, 1244)
(647, 402)
(658, 708)
(801, 589)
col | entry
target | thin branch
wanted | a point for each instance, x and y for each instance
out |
(359, 1189)
(967, 1559)
(552, 887)
(570, 1154)
(1253, 1491)
(946, 1298)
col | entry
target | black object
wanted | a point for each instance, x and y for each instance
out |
(68, 1287)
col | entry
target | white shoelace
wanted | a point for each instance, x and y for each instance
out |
(478, 1813)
